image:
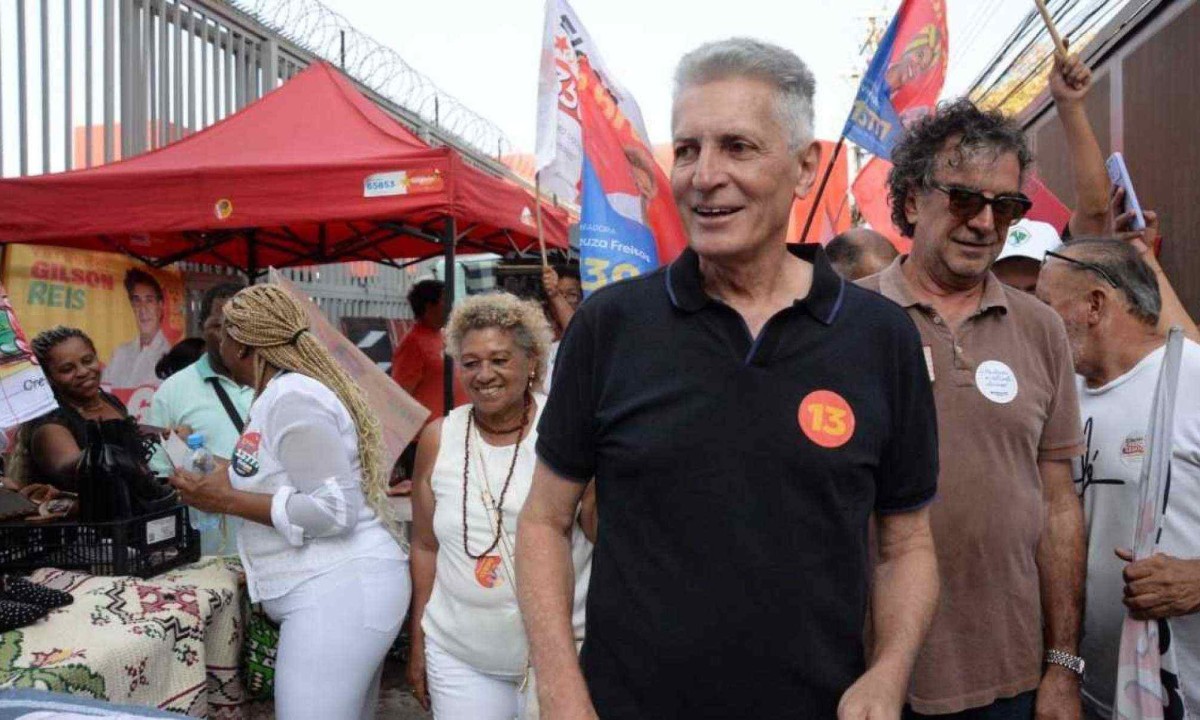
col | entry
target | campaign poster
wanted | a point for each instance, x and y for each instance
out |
(133, 313)
(24, 393)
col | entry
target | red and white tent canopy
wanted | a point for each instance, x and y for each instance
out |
(313, 172)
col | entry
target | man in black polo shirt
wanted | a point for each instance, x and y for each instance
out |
(744, 412)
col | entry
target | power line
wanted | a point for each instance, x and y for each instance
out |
(1092, 19)
(1040, 33)
(1086, 16)
(974, 26)
(1018, 33)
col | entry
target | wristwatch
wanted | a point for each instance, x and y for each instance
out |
(1074, 663)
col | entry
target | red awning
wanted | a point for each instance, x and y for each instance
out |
(312, 172)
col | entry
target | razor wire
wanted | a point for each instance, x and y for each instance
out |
(324, 32)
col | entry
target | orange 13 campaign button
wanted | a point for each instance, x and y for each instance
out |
(826, 418)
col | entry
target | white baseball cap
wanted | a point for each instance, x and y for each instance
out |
(1030, 239)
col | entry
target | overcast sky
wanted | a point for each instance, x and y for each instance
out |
(485, 52)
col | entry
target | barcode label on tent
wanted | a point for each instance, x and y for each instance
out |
(386, 184)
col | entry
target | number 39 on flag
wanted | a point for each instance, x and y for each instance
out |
(596, 273)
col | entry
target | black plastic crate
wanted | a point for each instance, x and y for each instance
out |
(143, 546)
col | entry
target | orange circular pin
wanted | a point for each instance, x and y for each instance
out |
(826, 418)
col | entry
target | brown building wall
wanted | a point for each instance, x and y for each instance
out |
(1162, 143)
(1050, 144)
(1153, 118)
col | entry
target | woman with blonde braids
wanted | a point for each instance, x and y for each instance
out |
(320, 551)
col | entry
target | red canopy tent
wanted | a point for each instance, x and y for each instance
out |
(313, 172)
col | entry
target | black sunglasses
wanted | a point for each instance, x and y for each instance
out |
(1086, 266)
(966, 203)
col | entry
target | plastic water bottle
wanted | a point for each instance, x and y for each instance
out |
(199, 460)
(213, 533)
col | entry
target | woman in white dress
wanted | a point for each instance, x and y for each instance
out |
(320, 552)
(474, 468)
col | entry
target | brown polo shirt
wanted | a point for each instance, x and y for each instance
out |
(1004, 388)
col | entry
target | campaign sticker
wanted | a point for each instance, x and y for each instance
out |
(1133, 449)
(826, 418)
(245, 455)
(403, 182)
(487, 571)
(996, 381)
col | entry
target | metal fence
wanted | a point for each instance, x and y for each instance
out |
(347, 290)
(98, 80)
(84, 82)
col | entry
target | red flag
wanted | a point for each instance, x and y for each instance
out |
(626, 166)
(918, 61)
(871, 193)
(1046, 206)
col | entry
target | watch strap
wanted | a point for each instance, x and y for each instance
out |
(1074, 663)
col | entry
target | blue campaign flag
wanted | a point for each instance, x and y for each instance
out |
(614, 243)
(904, 79)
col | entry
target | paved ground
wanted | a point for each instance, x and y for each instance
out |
(395, 700)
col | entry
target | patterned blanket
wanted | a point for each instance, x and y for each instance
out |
(172, 642)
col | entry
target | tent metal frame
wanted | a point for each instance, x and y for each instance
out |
(363, 245)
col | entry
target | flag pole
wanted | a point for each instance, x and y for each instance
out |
(1059, 46)
(837, 149)
(537, 191)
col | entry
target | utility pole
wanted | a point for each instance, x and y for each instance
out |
(875, 26)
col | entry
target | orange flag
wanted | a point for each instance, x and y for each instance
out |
(871, 194)
(833, 212)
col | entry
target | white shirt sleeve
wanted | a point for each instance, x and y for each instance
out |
(323, 496)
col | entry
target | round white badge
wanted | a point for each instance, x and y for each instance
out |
(996, 381)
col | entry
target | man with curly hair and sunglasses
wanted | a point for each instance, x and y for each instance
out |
(1007, 524)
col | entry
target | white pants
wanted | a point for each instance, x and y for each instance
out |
(335, 630)
(458, 691)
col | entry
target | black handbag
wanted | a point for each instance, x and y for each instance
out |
(113, 477)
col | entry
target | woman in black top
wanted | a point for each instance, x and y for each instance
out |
(48, 449)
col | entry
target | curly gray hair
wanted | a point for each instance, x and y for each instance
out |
(522, 318)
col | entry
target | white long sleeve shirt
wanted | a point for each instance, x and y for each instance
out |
(300, 447)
